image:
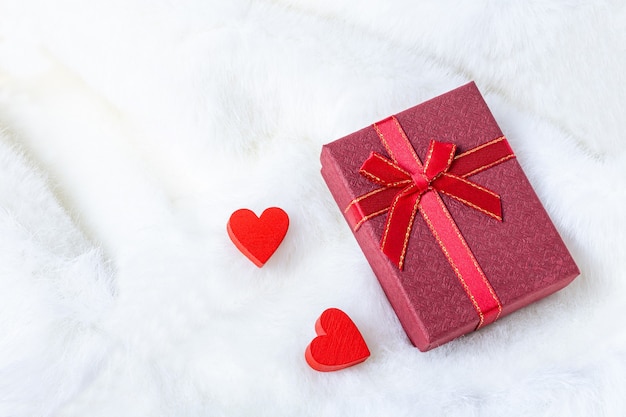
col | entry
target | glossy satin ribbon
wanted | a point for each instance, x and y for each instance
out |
(408, 187)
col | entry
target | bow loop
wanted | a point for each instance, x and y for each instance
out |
(439, 159)
(383, 171)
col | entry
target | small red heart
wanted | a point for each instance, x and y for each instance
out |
(258, 237)
(339, 344)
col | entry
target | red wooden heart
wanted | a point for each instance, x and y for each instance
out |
(339, 344)
(258, 237)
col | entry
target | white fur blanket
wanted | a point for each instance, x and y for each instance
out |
(131, 129)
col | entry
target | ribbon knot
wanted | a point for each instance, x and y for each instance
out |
(439, 159)
(422, 183)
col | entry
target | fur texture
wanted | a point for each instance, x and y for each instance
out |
(134, 128)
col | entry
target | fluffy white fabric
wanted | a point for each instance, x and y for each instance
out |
(133, 128)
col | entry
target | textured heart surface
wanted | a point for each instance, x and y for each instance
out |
(258, 237)
(339, 344)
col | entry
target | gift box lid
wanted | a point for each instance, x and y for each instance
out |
(523, 257)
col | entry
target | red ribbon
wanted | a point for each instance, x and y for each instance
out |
(408, 187)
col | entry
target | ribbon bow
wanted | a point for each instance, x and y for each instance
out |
(408, 187)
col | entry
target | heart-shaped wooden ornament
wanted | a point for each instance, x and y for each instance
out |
(339, 344)
(258, 237)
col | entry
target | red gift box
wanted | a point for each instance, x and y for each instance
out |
(446, 217)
